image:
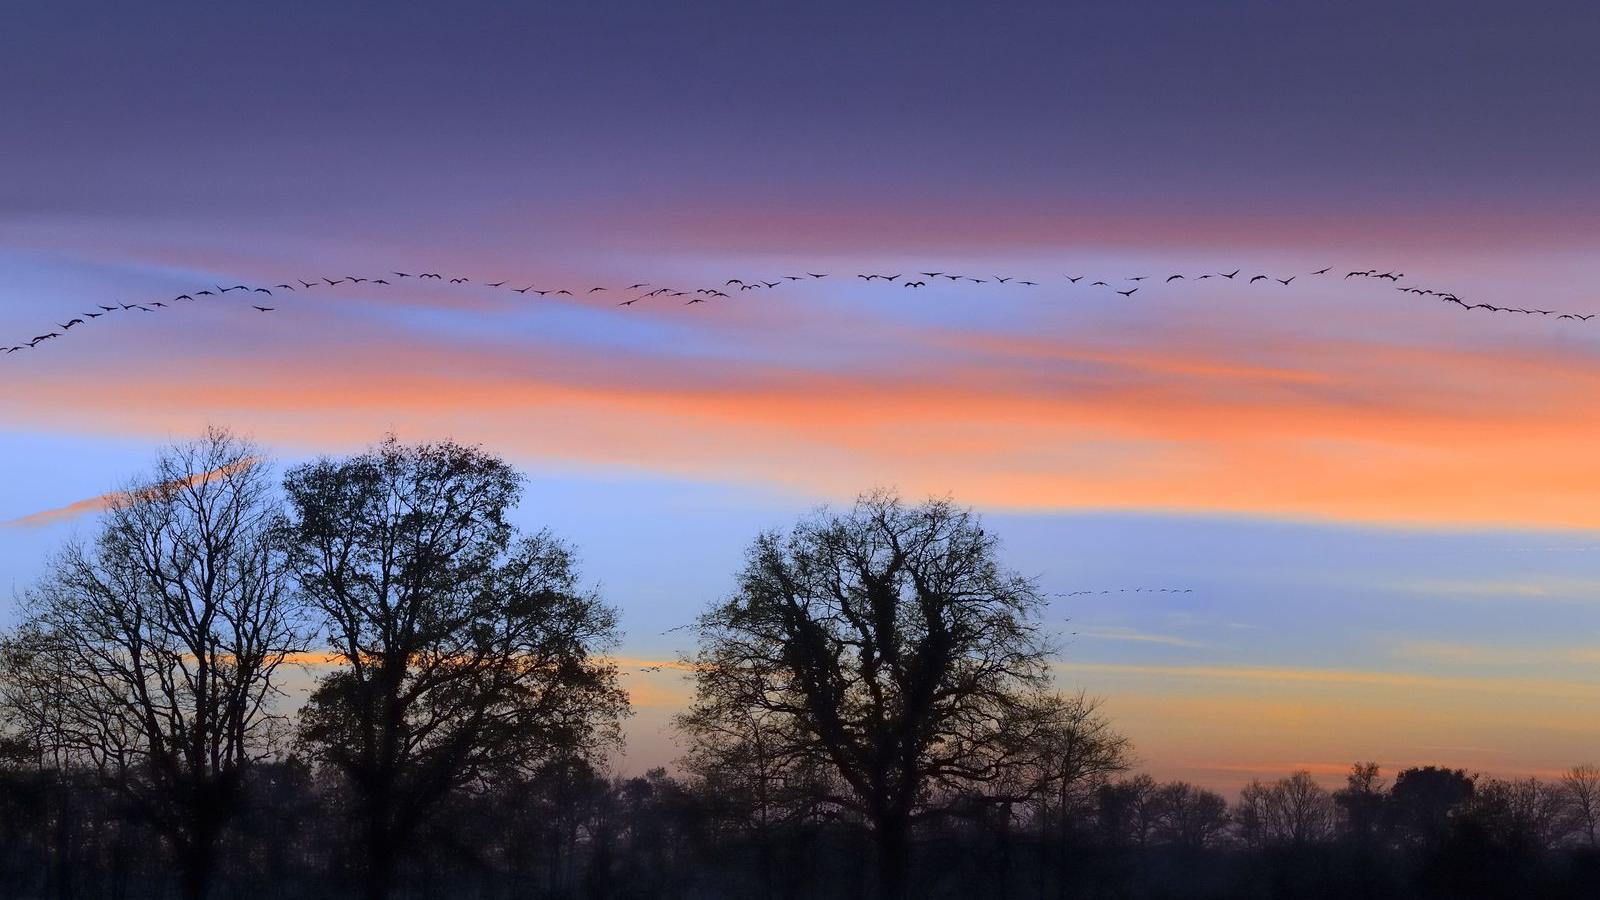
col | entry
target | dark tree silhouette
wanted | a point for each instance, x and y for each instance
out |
(1362, 803)
(152, 654)
(465, 651)
(1425, 797)
(886, 643)
(1582, 787)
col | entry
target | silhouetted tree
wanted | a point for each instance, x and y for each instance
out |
(1361, 803)
(152, 654)
(465, 651)
(1582, 787)
(1424, 798)
(1189, 816)
(1294, 811)
(886, 642)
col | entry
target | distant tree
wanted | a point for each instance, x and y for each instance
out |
(1252, 815)
(1304, 809)
(1526, 814)
(1424, 798)
(1582, 787)
(1189, 816)
(153, 653)
(1294, 811)
(465, 651)
(1077, 751)
(1361, 802)
(886, 643)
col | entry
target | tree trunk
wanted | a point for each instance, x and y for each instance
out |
(380, 859)
(894, 858)
(196, 865)
(61, 845)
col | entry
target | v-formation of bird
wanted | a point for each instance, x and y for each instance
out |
(704, 294)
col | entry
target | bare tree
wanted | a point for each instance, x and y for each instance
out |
(1077, 751)
(152, 654)
(1189, 815)
(465, 651)
(1582, 787)
(1294, 810)
(886, 643)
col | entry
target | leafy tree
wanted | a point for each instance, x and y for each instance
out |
(886, 643)
(1424, 798)
(1362, 802)
(465, 651)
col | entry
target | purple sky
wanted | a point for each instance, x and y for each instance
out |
(1387, 507)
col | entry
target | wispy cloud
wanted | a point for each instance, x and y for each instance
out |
(1540, 658)
(1291, 675)
(1532, 588)
(92, 505)
(1113, 633)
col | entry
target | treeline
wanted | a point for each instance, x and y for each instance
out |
(873, 716)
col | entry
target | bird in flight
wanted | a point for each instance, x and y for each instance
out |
(1128, 293)
(266, 308)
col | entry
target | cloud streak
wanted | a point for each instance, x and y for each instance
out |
(102, 502)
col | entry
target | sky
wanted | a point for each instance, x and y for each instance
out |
(1384, 507)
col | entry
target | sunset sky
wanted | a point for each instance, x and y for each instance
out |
(1387, 509)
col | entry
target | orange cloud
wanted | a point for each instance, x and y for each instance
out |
(100, 503)
(1189, 417)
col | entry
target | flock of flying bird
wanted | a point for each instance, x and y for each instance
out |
(1130, 591)
(260, 295)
